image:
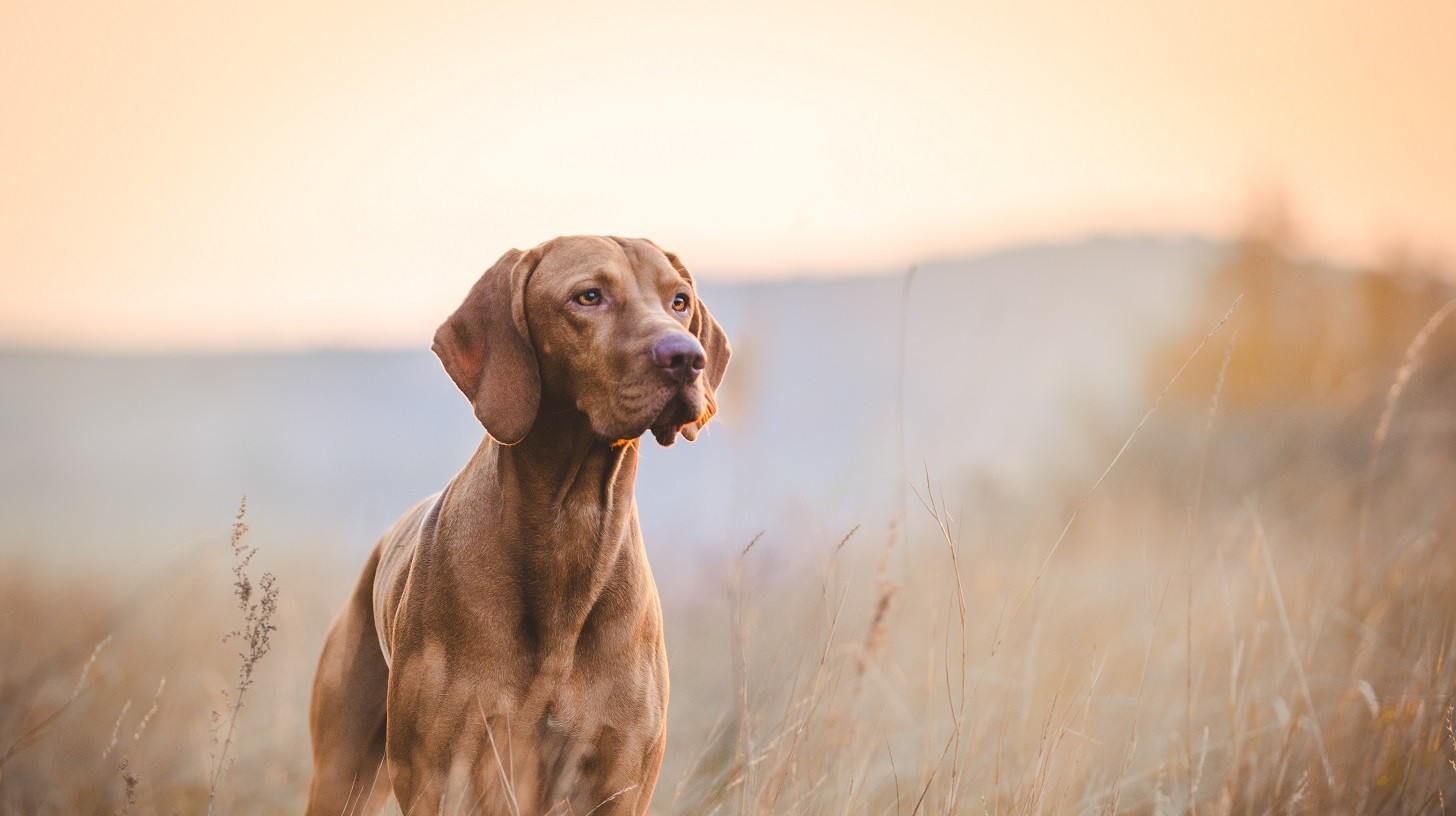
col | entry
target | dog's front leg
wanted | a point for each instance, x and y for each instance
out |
(621, 778)
(450, 752)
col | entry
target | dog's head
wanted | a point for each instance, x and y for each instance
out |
(610, 327)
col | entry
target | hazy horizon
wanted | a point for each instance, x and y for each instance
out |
(418, 337)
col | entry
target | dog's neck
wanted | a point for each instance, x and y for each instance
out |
(563, 498)
(563, 466)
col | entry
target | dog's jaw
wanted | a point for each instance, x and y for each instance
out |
(672, 409)
(683, 409)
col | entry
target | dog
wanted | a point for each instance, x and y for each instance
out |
(502, 652)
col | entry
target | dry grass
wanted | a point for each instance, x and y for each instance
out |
(1203, 639)
(1248, 664)
(118, 691)
(1206, 634)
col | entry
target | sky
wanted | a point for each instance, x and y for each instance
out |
(198, 175)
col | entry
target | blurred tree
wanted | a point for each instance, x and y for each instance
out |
(1308, 336)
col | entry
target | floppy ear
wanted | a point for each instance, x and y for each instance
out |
(715, 346)
(486, 349)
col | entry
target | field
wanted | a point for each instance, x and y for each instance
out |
(1240, 605)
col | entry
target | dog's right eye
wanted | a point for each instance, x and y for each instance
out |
(590, 297)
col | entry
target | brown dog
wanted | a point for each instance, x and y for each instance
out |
(502, 652)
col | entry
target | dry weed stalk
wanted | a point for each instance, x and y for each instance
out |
(258, 607)
(129, 781)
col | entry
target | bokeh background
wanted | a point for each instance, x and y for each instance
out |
(1113, 337)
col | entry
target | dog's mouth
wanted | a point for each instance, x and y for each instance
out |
(662, 408)
(683, 408)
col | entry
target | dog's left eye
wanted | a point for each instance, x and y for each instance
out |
(680, 303)
(590, 297)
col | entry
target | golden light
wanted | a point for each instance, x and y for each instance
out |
(186, 175)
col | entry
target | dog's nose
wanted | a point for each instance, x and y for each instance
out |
(680, 354)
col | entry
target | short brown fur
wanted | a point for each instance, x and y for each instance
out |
(502, 652)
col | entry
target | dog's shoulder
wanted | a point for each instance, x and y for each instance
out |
(396, 552)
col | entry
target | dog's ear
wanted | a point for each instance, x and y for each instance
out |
(715, 346)
(486, 349)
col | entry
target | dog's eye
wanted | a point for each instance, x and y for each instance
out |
(680, 303)
(590, 297)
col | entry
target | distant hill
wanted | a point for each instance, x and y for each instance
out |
(127, 456)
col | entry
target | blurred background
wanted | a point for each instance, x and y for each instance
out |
(1074, 314)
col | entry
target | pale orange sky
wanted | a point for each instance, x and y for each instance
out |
(209, 175)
